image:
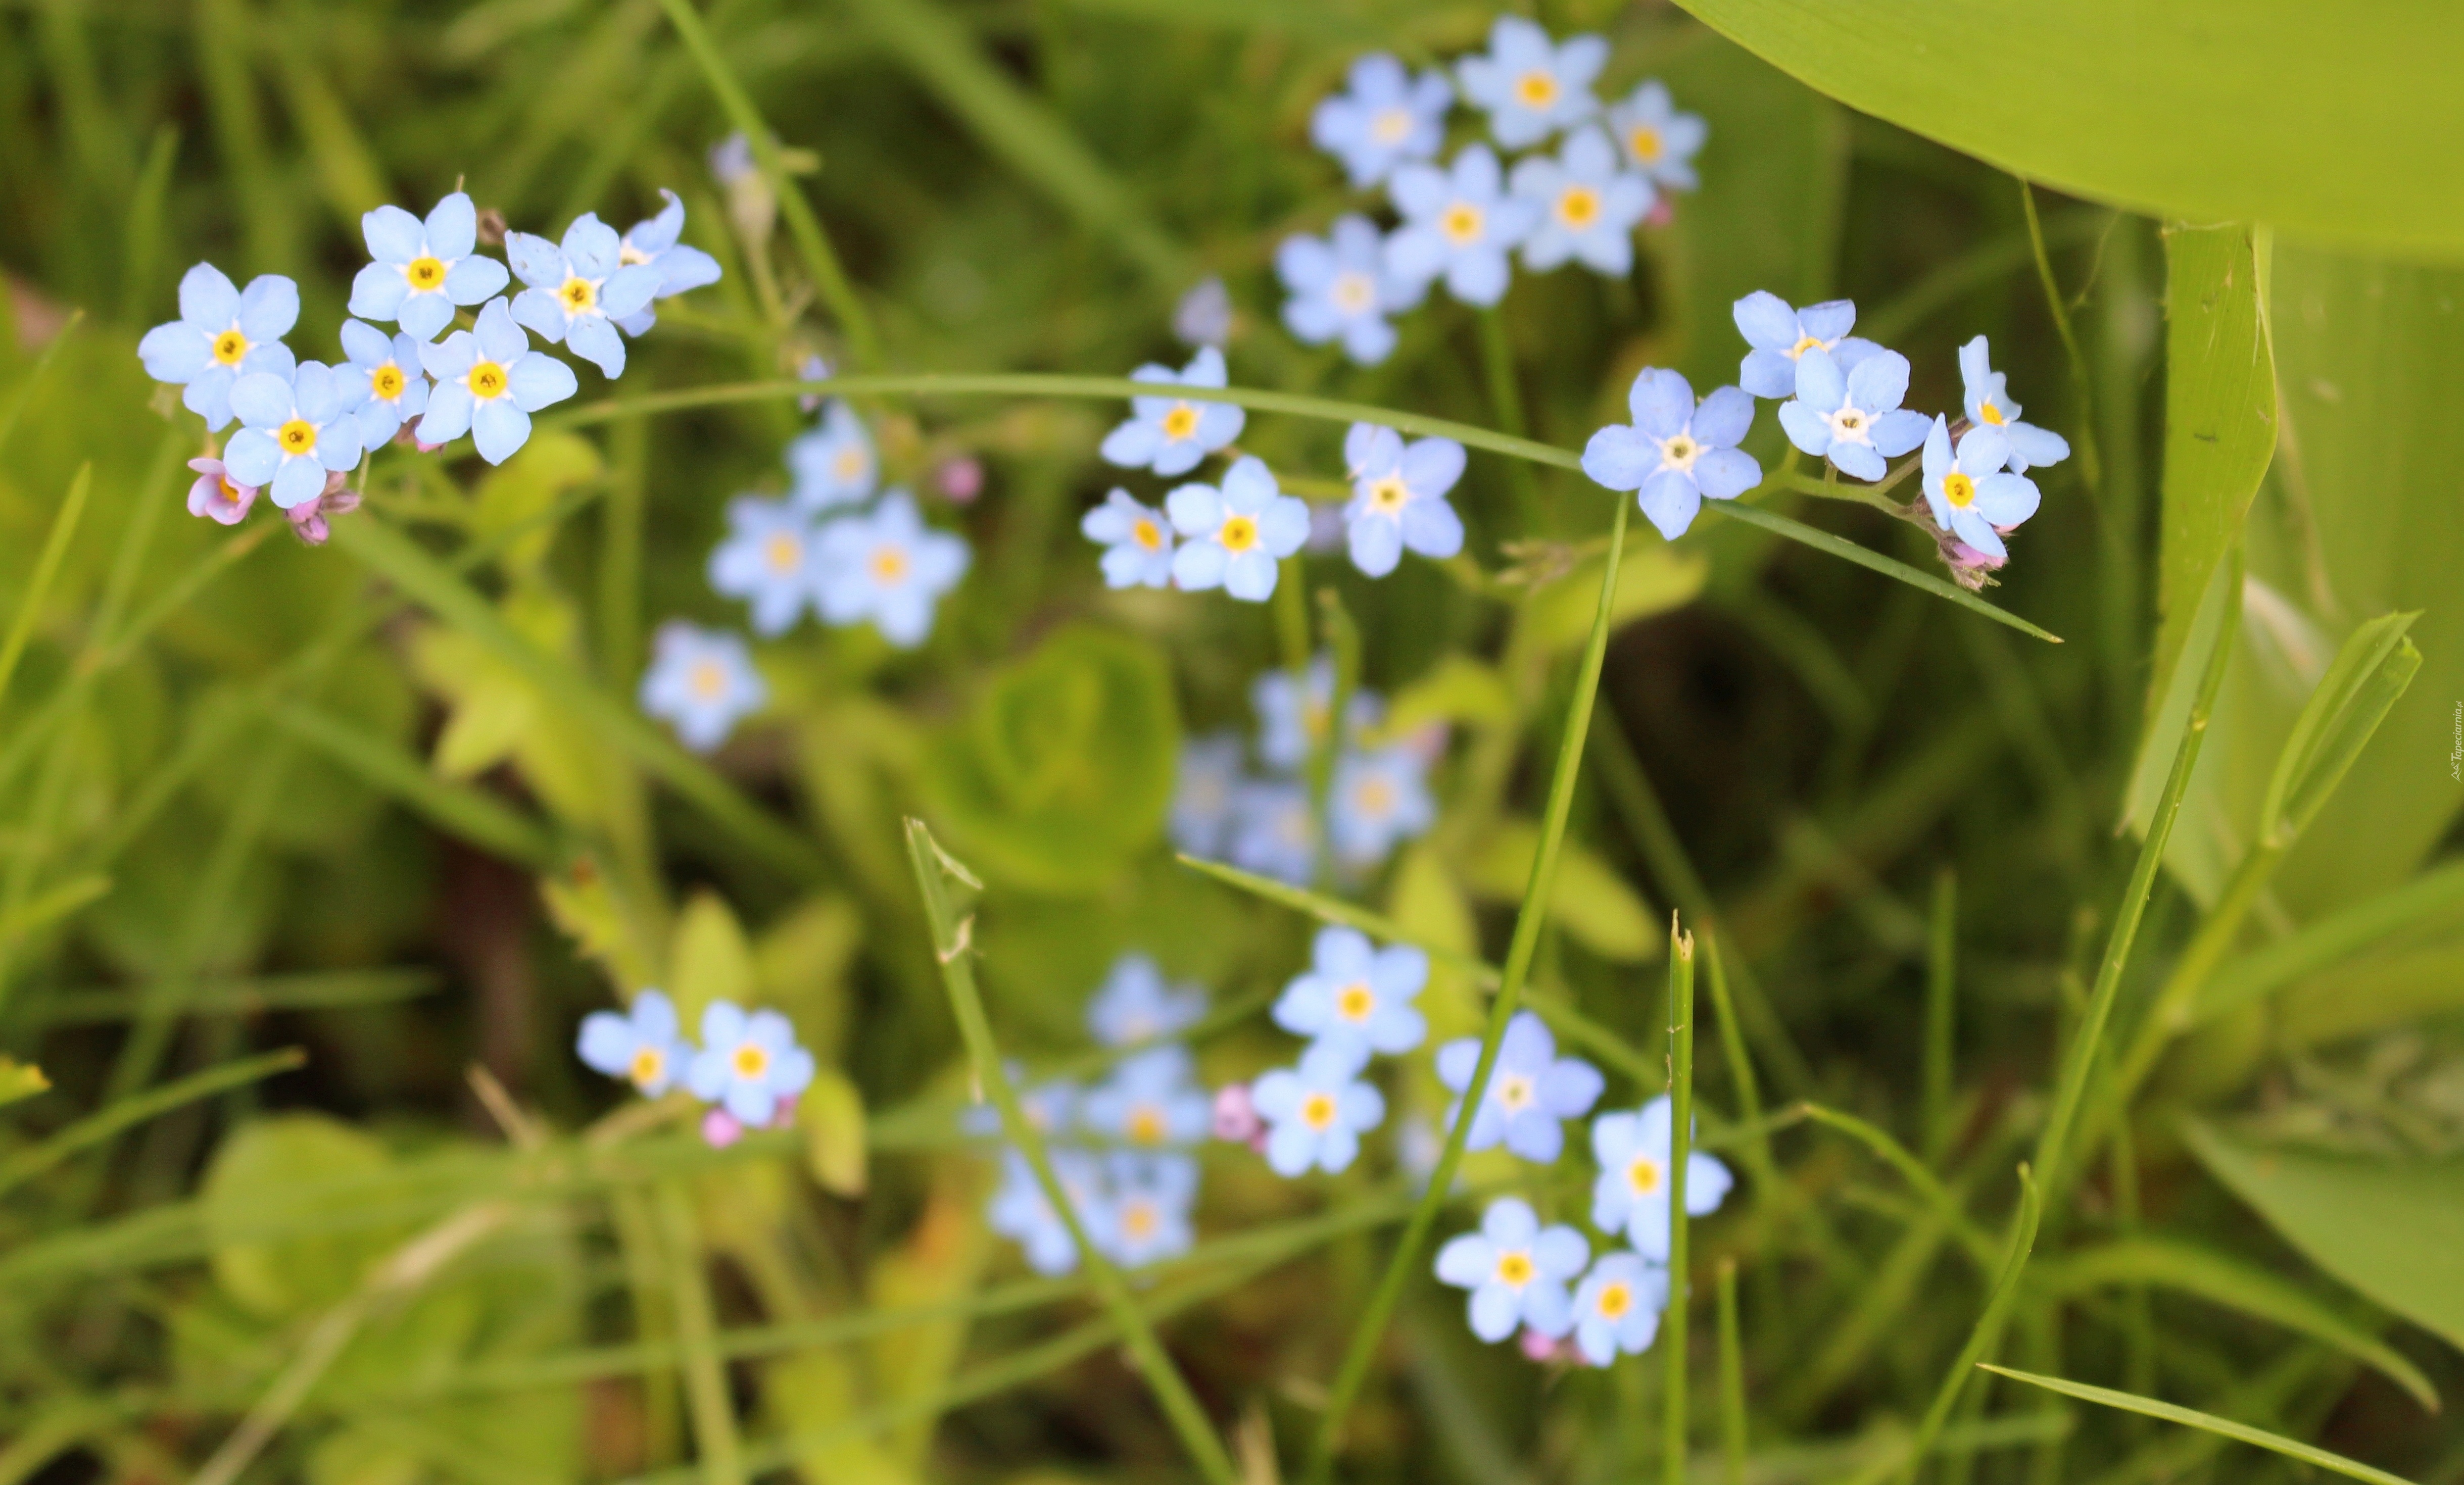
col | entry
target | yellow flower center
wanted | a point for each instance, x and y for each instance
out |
(1536, 88)
(849, 464)
(487, 380)
(1462, 223)
(1514, 1268)
(1514, 1092)
(1959, 490)
(1145, 1124)
(1644, 141)
(578, 295)
(1578, 206)
(708, 681)
(1355, 1001)
(1181, 422)
(785, 554)
(1317, 1111)
(425, 274)
(1353, 294)
(1642, 1173)
(230, 492)
(1615, 1299)
(1238, 534)
(648, 1062)
(1139, 1219)
(1388, 494)
(1991, 413)
(1804, 343)
(749, 1058)
(1391, 127)
(888, 564)
(1374, 799)
(1147, 534)
(230, 347)
(298, 437)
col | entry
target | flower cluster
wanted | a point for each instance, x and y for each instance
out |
(305, 426)
(748, 1067)
(1355, 1000)
(1460, 221)
(1377, 794)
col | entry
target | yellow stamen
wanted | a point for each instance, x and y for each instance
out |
(1138, 1219)
(784, 552)
(1514, 1268)
(1536, 89)
(1181, 422)
(849, 464)
(298, 437)
(230, 347)
(1391, 127)
(1354, 1002)
(487, 380)
(888, 564)
(1238, 534)
(424, 274)
(708, 680)
(1462, 223)
(1374, 799)
(578, 295)
(1644, 1175)
(1614, 1301)
(1145, 1124)
(1388, 494)
(1644, 141)
(1959, 490)
(1578, 206)
(230, 492)
(386, 382)
(1353, 294)
(1147, 534)
(1317, 1111)
(1990, 413)
(1804, 344)
(648, 1062)
(1514, 1092)
(751, 1059)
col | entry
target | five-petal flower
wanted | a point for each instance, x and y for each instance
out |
(1989, 405)
(1136, 1004)
(1149, 1101)
(387, 368)
(1631, 1194)
(1316, 1113)
(423, 269)
(1376, 800)
(214, 495)
(1170, 434)
(579, 289)
(1853, 417)
(1655, 137)
(834, 464)
(1234, 536)
(653, 244)
(1676, 453)
(748, 1061)
(1781, 336)
(1530, 86)
(488, 382)
(1340, 288)
(1136, 541)
(701, 682)
(1386, 116)
(1516, 1270)
(1617, 1307)
(1530, 1090)
(888, 567)
(1399, 498)
(770, 560)
(1971, 494)
(300, 427)
(223, 334)
(1587, 206)
(1458, 222)
(642, 1044)
(1355, 997)
(1203, 792)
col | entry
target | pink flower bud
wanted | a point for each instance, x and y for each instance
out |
(1236, 1117)
(960, 479)
(719, 1130)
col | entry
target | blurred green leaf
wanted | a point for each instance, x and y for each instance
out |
(2329, 941)
(1590, 902)
(1457, 689)
(261, 1167)
(707, 959)
(799, 965)
(1653, 578)
(19, 1080)
(48, 906)
(472, 814)
(2369, 674)
(588, 907)
(511, 498)
(832, 1113)
(2172, 1413)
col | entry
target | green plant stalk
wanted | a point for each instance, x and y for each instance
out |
(2091, 467)
(1732, 1381)
(1342, 639)
(2191, 1417)
(475, 815)
(1928, 1187)
(1506, 396)
(1988, 1326)
(33, 1160)
(951, 946)
(1362, 1348)
(47, 567)
(32, 381)
(1941, 1006)
(1680, 1142)
(2174, 1009)
(713, 1413)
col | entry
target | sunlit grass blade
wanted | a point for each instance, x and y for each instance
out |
(706, 1390)
(1732, 1380)
(454, 808)
(102, 1124)
(45, 908)
(1875, 561)
(2191, 1417)
(47, 567)
(1331, 910)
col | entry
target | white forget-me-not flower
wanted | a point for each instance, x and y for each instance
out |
(1339, 288)
(1781, 336)
(642, 1044)
(1136, 541)
(579, 289)
(423, 269)
(1170, 434)
(1634, 1151)
(1659, 141)
(1234, 536)
(1458, 222)
(701, 682)
(834, 463)
(1385, 118)
(1316, 1113)
(1530, 1090)
(1136, 1004)
(770, 560)
(1399, 498)
(1530, 86)
(748, 1061)
(1971, 494)
(1853, 417)
(223, 334)
(300, 429)
(1675, 453)
(653, 244)
(1989, 405)
(387, 367)
(487, 383)
(1587, 206)
(889, 567)
(1516, 1270)
(1617, 1307)
(1357, 998)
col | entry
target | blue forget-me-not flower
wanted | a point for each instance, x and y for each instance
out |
(1151, 1195)
(1458, 222)
(1316, 1113)
(1634, 1151)
(423, 269)
(701, 682)
(1971, 494)
(1149, 1101)
(1659, 141)
(1136, 541)
(1781, 336)
(1517, 1271)
(579, 289)
(1170, 434)
(1136, 1004)
(1377, 800)
(1674, 452)
(1386, 116)
(1273, 833)
(1530, 86)
(1588, 207)
(1617, 1307)
(1357, 998)
(770, 560)
(888, 567)
(1989, 405)
(1853, 417)
(1340, 288)
(487, 383)
(834, 463)
(1399, 498)
(299, 428)
(1530, 1090)
(223, 334)
(1020, 1211)
(748, 1061)
(386, 366)
(653, 244)
(642, 1044)
(1234, 536)
(1292, 717)
(1203, 794)
(1050, 1107)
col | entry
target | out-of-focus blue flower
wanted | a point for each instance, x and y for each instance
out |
(1136, 1004)
(1316, 1113)
(1970, 495)
(1631, 1194)
(888, 567)
(393, 386)
(748, 1061)
(299, 428)
(1020, 1211)
(1657, 139)
(1151, 1195)
(1675, 453)
(653, 245)
(1355, 997)
(814, 367)
(1136, 541)
(1273, 833)
(423, 269)
(1516, 1270)
(1292, 718)
(701, 682)
(1530, 86)
(1170, 434)
(223, 334)
(1587, 206)
(834, 464)
(579, 289)
(1855, 419)
(731, 160)
(1386, 116)
(1781, 336)
(1376, 801)
(771, 559)
(1203, 795)
(1617, 1307)
(216, 496)
(1233, 535)
(1399, 498)
(1458, 222)
(1530, 1090)
(642, 1044)
(488, 384)
(1340, 288)
(1203, 317)
(1050, 1107)
(1149, 1101)
(1989, 406)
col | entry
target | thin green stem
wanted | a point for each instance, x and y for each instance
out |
(1399, 1269)
(34, 1159)
(1988, 1331)
(1506, 396)
(2091, 467)
(1732, 1381)
(2174, 1009)
(1681, 1141)
(47, 567)
(714, 1411)
(1342, 639)
(1942, 1008)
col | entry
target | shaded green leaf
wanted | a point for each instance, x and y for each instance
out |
(2369, 674)
(2131, 1402)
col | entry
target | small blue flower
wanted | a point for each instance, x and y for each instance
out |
(300, 429)
(1149, 1101)
(1516, 1270)
(653, 244)
(1657, 139)
(701, 682)
(1530, 1089)
(1020, 1211)
(814, 367)
(1358, 998)
(731, 161)
(748, 1063)
(1292, 718)
(1617, 1307)
(1530, 86)
(1399, 498)
(1203, 795)
(1316, 1113)
(1676, 453)
(770, 560)
(1050, 1107)
(1587, 207)
(1151, 1195)
(1170, 434)
(1631, 1194)
(1136, 1004)
(1459, 222)
(223, 334)
(1854, 418)
(1136, 541)
(1989, 405)
(423, 269)
(579, 289)
(1376, 801)
(1781, 336)
(1233, 536)
(1340, 288)
(1386, 118)
(888, 567)
(1970, 495)
(488, 384)
(642, 1044)
(1273, 833)
(386, 369)
(834, 464)
(1203, 317)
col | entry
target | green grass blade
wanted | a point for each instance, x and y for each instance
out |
(47, 567)
(1681, 1141)
(706, 1390)
(246, 995)
(32, 1161)
(2328, 941)
(457, 809)
(1941, 1010)
(1875, 561)
(1732, 1381)
(32, 381)
(1927, 1186)
(2191, 1417)
(1330, 909)
(60, 901)
(1988, 1331)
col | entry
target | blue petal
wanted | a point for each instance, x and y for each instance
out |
(1820, 384)
(595, 340)
(269, 307)
(1618, 457)
(682, 267)
(1376, 544)
(1670, 500)
(535, 381)
(1878, 383)
(1827, 320)
(420, 315)
(1726, 474)
(452, 225)
(1896, 432)
(392, 234)
(297, 481)
(475, 280)
(1768, 374)
(448, 414)
(1805, 427)
(262, 400)
(252, 456)
(377, 291)
(1766, 321)
(1660, 402)
(1723, 417)
(590, 246)
(176, 352)
(500, 429)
